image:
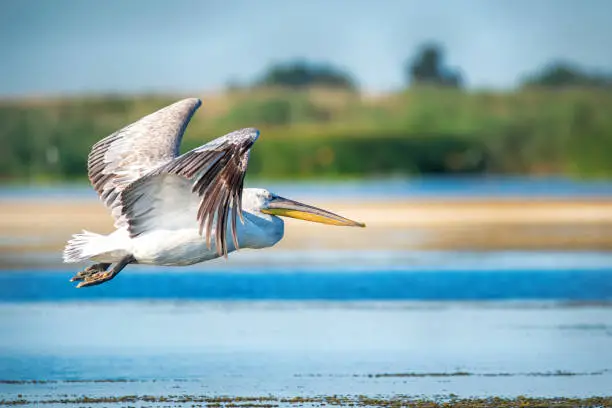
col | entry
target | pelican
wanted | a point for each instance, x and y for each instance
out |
(176, 210)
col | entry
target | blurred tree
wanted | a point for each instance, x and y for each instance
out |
(427, 68)
(301, 74)
(563, 74)
(233, 85)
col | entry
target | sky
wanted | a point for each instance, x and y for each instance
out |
(51, 47)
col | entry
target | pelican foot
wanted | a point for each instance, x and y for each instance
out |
(101, 275)
(90, 270)
(96, 278)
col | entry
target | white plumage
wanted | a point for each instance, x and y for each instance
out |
(172, 209)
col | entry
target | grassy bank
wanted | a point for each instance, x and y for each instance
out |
(322, 133)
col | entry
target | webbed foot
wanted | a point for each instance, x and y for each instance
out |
(90, 270)
(96, 278)
(97, 274)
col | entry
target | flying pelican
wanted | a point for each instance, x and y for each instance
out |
(172, 209)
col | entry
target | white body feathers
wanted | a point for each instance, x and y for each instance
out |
(172, 235)
(173, 209)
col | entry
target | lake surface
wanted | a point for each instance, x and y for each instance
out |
(305, 348)
(303, 326)
(435, 325)
(389, 189)
(447, 276)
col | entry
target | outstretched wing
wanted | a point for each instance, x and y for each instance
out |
(215, 173)
(128, 154)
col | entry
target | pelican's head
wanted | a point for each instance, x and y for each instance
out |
(262, 200)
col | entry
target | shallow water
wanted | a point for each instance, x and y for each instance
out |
(363, 190)
(305, 349)
(299, 284)
(342, 276)
(434, 325)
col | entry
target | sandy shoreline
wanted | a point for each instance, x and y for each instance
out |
(29, 226)
(25, 213)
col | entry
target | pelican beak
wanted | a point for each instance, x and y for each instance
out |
(289, 208)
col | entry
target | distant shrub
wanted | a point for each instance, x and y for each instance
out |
(275, 111)
(563, 74)
(367, 155)
(300, 74)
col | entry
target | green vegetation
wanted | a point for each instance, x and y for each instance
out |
(337, 133)
(316, 123)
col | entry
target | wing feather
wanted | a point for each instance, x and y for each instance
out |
(133, 151)
(216, 171)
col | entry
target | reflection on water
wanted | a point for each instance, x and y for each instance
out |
(312, 348)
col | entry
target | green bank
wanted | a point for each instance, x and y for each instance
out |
(322, 133)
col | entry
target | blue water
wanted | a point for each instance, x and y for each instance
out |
(519, 323)
(400, 188)
(303, 348)
(302, 284)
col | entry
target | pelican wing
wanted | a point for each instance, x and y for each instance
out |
(215, 173)
(128, 154)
